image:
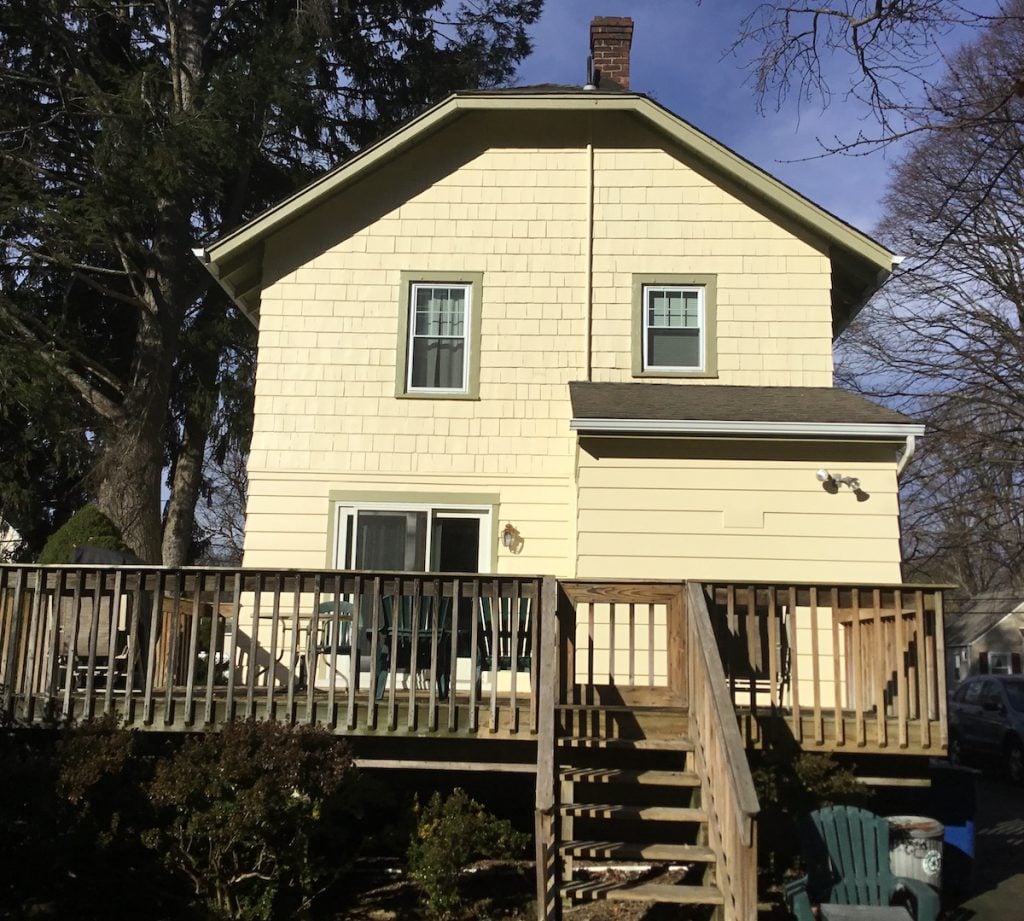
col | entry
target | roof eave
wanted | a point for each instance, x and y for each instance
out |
(860, 431)
(866, 256)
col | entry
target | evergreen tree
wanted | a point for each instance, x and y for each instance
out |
(128, 132)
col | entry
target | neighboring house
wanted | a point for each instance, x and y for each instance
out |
(986, 635)
(570, 312)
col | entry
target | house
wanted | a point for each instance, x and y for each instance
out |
(986, 635)
(548, 476)
(567, 310)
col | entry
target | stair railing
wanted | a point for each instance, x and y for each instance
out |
(727, 786)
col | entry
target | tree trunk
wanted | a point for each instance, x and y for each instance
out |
(179, 522)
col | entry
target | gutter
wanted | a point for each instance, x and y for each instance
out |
(860, 430)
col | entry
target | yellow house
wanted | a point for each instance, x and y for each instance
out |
(567, 311)
(548, 374)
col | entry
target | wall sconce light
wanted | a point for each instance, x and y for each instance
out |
(510, 538)
(831, 482)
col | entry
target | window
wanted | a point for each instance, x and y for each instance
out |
(674, 325)
(999, 663)
(412, 537)
(439, 334)
(673, 328)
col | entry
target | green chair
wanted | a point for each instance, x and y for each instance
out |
(327, 640)
(846, 856)
(496, 646)
(402, 625)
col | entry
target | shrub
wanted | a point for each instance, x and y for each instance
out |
(450, 834)
(243, 809)
(789, 786)
(87, 526)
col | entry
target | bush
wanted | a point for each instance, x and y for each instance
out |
(451, 834)
(244, 809)
(790, 786)
(87, 526)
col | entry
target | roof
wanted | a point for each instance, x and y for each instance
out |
(983, 612)
(860, 263)
(639, 408)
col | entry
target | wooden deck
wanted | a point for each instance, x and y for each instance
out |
(618, 687)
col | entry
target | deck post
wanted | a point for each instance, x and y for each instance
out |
(548, 903)
(13, 641)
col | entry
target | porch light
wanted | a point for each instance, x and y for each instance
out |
(831, 482)
(509, 537)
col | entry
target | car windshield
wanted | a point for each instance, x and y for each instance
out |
(1015, 694)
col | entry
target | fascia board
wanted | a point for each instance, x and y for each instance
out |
(855, 430)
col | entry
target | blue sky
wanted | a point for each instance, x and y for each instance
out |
(678, 58)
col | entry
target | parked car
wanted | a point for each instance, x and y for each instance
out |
(986, 720)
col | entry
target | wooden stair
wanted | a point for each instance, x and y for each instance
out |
(627, 791)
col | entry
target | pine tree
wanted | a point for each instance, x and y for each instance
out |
(130, 131)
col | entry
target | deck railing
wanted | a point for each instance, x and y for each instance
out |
(847, 666)
(720, 760)
(358, 651)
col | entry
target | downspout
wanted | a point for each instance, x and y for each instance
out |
(589, 258)
(905, 455)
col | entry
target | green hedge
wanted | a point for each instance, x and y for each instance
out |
(87, 526)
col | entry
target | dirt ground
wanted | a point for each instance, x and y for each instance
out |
(505, 891)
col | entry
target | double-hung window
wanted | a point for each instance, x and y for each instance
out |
(439, 326)
(674, 326)
(439, 335)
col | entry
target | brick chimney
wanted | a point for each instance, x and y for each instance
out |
(610, 38)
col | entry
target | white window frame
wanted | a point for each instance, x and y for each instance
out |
(1005, 660)
(466, 335)
(346, 511)
(701, 326)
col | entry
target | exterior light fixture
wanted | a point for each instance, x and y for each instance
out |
(509, 538)
(831, 482)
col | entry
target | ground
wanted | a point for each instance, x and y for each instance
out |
(505, 891)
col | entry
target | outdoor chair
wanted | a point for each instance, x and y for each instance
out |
(499, 639)
(335, 634)
(402, 625)
(846, 856)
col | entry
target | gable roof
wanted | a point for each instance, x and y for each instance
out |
(860, 263)
(980, 615)
(713, 409)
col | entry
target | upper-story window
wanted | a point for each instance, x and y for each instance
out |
(438, 355)
(673, 328)
(439, 327)
(674, 332)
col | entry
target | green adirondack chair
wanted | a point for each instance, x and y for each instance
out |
(846, 855)
(402, 625)
(507, 642)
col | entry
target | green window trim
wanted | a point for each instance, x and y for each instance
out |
(475, 283)
(709, 286)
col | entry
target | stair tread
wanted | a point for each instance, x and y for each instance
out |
(676, 744)
(615, 810)
(687, 853)
(630, 776)
(644, 892)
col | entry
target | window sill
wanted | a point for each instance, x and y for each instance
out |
(676, 374)
(427, 395)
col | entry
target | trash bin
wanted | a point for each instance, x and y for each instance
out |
(915, 848)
